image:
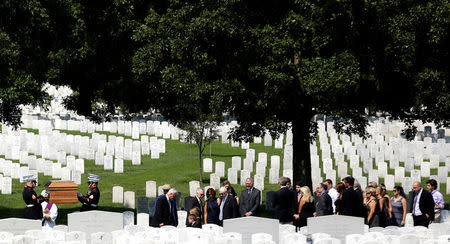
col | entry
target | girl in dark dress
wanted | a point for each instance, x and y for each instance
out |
(211, 209)
(306, 208)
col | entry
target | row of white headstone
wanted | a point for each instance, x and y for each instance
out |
(377, 150)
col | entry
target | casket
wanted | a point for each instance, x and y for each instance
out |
(63, 192)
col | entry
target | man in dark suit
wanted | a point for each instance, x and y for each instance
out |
(422, 207)
(284, 202)
(324, 204)
(352, 204)
(228, 206)
(249, 200)
(195, 202)
(165, 212)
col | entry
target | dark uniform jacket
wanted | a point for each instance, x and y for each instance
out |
(90, 200)
(33, 209)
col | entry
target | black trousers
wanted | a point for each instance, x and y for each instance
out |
(421, 220)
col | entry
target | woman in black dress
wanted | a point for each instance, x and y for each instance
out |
(340, 188)
(306, 208)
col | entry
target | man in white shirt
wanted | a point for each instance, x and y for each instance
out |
(50, 211)
(332, 192)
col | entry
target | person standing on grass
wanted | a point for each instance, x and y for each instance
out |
(398, 202)
(49, 210)
(422, 206)
(249, 200)
(165, 211)
(211, 208)
(284, 201)
(92, 197)
(438, 199)
(324, 202)
(33, 209)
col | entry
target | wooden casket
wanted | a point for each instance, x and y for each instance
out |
(63, 192)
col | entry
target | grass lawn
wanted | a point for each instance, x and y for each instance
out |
(176, 167)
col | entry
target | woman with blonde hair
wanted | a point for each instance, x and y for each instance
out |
(372, 207)
(306, 207)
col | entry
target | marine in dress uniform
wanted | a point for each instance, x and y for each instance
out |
(90, 200)
(33, 209)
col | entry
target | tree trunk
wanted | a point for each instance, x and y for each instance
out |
(190, 145)
(210, 148)
(301, 152)
(200, 162)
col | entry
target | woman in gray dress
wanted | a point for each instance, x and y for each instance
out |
(398, 202)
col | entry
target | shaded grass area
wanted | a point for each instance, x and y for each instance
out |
(175, 167)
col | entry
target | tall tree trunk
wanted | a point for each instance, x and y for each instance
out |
(301, 152)
(210, 148)
(200, 152)
(190, 145)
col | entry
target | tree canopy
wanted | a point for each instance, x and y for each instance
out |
(270, 64)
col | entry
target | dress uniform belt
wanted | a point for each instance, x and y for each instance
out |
(94, 205)
(30, 205)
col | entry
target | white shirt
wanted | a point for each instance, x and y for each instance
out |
(334, 195)
(417, 211)
(53, 214)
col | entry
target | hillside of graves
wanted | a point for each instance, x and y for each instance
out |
(135, 158)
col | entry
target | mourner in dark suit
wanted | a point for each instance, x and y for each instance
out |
(228, 206)
(165, 212)
(33, 209)
(324, 204)
(352, 202)
(284, 201)
(196, 202)
(422, 207)
(249, 200)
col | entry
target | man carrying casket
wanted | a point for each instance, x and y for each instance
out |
(90, 200)
(32, 200)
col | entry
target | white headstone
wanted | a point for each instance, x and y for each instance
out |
(94, 221)
(244, 175)
(220, 169)
(207, 165)
(232, 175)
(128, 218)
(236, 162)
(193, 185)
(252, 225)
(136, 158)
(337, 226)
(118, 165)
(117, 194)
(108, 162)
(129, 199)
(150, 189)
(143, 219)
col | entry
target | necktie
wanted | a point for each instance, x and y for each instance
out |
(415, 202)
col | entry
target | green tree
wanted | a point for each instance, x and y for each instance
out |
(24, 32)
(275, 64)
(202, 132)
